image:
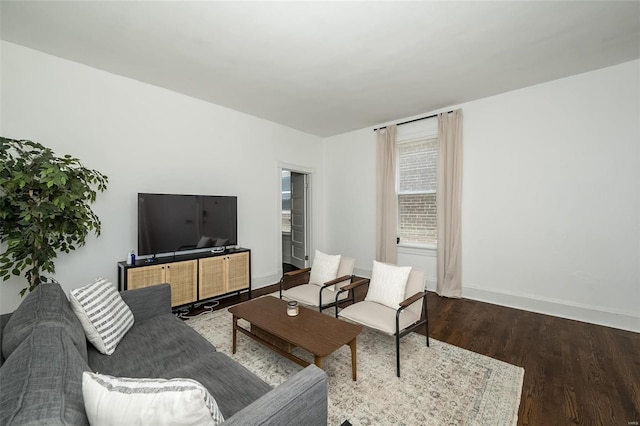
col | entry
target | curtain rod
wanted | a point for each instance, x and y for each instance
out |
(411, 121)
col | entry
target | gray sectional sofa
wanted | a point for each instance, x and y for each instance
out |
(44, 352)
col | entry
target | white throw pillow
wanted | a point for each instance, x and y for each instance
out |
(388, 284)
(105, 317)
(125, 401)
(324, 268)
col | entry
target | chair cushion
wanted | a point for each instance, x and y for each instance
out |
(46, 304)
(103, 314)
(380, 317)
(345, 268)
(415, 284)
(127, 401)
(309, 294)
(388, 284)
(324, 268)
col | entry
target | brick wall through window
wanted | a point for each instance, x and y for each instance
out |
(417, 161)
(417, 166)
(417, 213)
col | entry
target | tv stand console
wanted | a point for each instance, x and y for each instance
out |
(193, 277)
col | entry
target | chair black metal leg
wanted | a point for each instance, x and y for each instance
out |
(398, 354)
(398, 342)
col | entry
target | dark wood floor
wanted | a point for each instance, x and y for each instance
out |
(575, 373)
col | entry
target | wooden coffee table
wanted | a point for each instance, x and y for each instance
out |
(310, 330)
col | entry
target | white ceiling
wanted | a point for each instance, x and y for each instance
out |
(330, 67)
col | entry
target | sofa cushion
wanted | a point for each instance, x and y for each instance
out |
(46, 304)
(148, 302)
(151, 348)
(131, 401)
(41, 382)
(232, 385)
(103, 314)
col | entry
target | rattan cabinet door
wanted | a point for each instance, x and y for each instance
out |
(237, 267)
(182, 276)
(145, 276)
(212, 277)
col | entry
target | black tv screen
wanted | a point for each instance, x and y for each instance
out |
(171, 222)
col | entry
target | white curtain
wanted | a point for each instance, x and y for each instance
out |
(449, 190)
(386, 199)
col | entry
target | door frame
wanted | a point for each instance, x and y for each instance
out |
(308, 171)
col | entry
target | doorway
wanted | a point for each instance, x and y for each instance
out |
(295, 219)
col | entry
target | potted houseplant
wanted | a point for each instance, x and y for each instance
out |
(44, 208)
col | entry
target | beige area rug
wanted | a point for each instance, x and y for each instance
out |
(440, 385)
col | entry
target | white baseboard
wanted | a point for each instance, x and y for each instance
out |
(431, 284)
(260, 281)
(559, 308)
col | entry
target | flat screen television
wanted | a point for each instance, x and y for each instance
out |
(168, 223)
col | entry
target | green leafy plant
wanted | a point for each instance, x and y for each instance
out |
(44, 208)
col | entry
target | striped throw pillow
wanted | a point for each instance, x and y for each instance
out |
(131, 401)
(105, 317)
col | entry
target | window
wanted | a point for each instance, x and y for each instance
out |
(286, 201)
(416, 189)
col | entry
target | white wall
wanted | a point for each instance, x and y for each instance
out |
(551, 197)
(147, 139)
(350, 216)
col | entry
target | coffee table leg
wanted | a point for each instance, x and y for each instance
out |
(317, 361)
(354, 362)
(235, 332)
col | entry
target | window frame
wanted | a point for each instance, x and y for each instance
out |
(415, 139)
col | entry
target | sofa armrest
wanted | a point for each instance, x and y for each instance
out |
(148, 302)
(301, 400)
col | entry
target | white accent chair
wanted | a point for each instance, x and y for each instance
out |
(410, 314)
(321, 296)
